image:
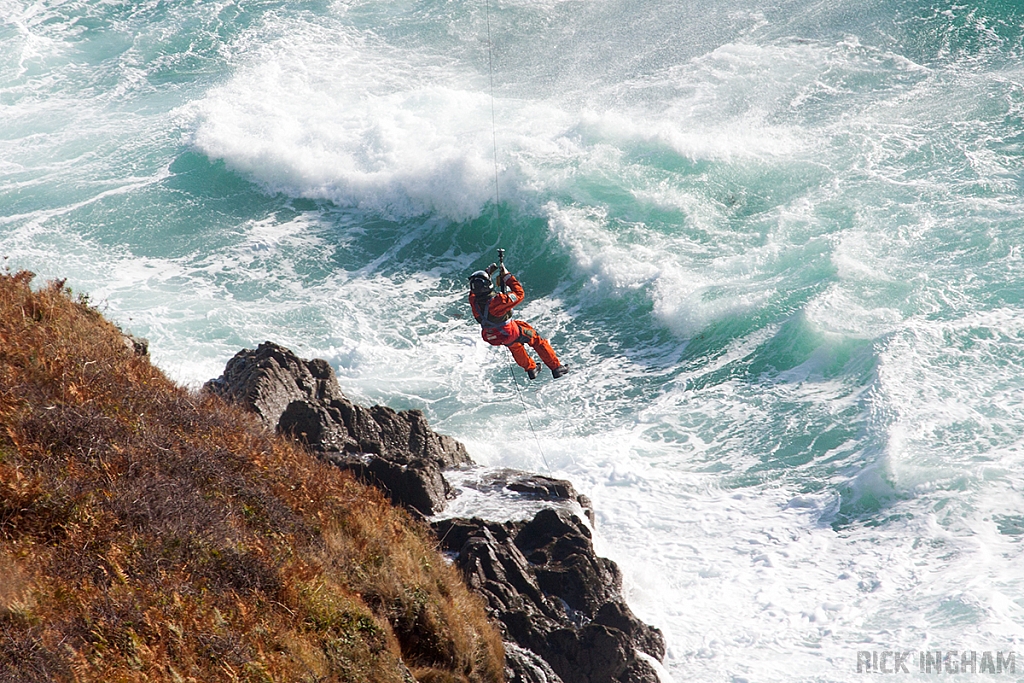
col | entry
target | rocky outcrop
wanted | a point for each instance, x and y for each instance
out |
(137, 345)
(396, 451)
(560, 606)
(268, 379)
(554, 597)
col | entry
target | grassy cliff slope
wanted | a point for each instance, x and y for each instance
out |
(151, 534)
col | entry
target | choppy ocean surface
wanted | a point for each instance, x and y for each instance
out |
(779, 242)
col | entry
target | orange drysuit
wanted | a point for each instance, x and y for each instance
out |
(498, 328)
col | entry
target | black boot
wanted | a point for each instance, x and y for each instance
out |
(532, 373)
(559, 371)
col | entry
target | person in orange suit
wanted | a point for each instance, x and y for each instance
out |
(494, 313)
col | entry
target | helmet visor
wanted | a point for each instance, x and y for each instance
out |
(479, 283)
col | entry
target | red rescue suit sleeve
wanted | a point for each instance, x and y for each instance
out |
(502, 303)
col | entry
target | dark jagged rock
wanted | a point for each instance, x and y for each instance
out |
(559, 605)
(395, 451)
(266, 380)
(418, 485)
(316, 427)
(554, 597)
(523, 666)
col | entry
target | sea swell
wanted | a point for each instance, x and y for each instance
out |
(778, 244)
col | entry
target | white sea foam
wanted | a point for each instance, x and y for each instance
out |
(688, 290)
(333, 113)
(949, 433)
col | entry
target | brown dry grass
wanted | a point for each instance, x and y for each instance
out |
(151, 534)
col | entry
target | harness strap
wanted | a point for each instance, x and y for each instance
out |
(486, 319)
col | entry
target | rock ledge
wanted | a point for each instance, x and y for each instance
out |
(559, 605)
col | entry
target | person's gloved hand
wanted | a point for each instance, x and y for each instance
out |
(491, 268)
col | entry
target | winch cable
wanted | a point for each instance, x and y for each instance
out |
(497, 209)
(494, 128)
(526, 412)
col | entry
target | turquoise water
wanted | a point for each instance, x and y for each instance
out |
(778, 242)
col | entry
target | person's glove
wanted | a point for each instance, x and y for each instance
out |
(491, 268)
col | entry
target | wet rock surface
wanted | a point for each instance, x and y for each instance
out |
(559, 605)
(529, 486)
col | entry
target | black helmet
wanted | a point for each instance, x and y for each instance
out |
(480, 283)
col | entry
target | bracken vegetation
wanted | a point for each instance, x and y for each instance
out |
(148, 533)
